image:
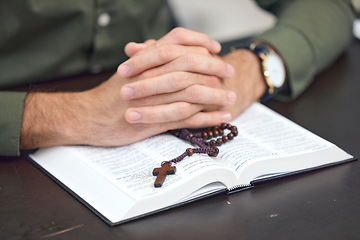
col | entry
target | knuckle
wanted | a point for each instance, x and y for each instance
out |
(201, 120)
(178, 33)
(219, 97)
(213, 66)
(191, 122)
(179, 80)
(190, 60)
(212, 81)
(135, 62)
(220, 66)
(144, 88)
(203, 51)
(147, 74)
(210, 120)
(165, 53)
(150, 116)
(150, 41)
(128, 46)
(193, 92)
(183, 110)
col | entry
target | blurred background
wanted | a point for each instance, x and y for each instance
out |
(216, 18)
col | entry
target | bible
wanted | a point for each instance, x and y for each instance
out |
(117, 184)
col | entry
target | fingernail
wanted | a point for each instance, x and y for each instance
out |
(231, 97)
(217, 45)
(123, 70)
(127, 92)
(230, 70)
(226, 117)
(134, 116)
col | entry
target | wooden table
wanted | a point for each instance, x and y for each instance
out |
(323, 204)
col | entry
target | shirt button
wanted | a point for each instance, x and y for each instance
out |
(103, 19)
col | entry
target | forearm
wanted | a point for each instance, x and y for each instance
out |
(50, 119)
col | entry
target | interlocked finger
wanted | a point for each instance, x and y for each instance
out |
(167, 83)
(188, 37)
(195, 63)
(162, 113)
(154, 57)
(196, 94)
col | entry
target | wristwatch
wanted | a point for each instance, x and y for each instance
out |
(272, 66)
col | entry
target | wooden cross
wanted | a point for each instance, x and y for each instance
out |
(162, 172)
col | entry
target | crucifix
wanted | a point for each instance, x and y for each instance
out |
(162, 172)
(199, 138)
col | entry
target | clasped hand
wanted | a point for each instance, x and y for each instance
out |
(176, 78)
(174, 82)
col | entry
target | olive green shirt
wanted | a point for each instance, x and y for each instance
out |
(43, 39)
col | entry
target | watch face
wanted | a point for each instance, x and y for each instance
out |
(274, 70)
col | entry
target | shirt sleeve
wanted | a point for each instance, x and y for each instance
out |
(10, 122)
(309, 35)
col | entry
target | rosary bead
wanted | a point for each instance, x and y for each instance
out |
(219, 141)
(230, 136)
(189, 137)
(225, 139)
(221, 131)
(216, 132)
(210, 134)
(212, 143)
(235, 132)
(215, 153)
(204, 135)
(190, 151)
(223, 125)
(233, 128)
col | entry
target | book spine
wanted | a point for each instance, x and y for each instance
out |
(239, 187)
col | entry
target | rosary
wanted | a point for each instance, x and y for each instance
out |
(199, 138)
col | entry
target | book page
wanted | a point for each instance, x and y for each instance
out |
(265, 134)
(262, 134)
(130, 167)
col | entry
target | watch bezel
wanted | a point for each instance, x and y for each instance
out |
(263, 51)
(276, 80)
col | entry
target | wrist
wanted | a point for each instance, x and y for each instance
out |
(49, 119)
(272, 67)
(247, 82)
(248, 69)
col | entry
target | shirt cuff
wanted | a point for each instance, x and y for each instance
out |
(300, 64)
(11, 112)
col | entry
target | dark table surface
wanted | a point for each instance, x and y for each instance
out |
(323, 204)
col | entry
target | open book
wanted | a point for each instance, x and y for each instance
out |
(117, 184)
